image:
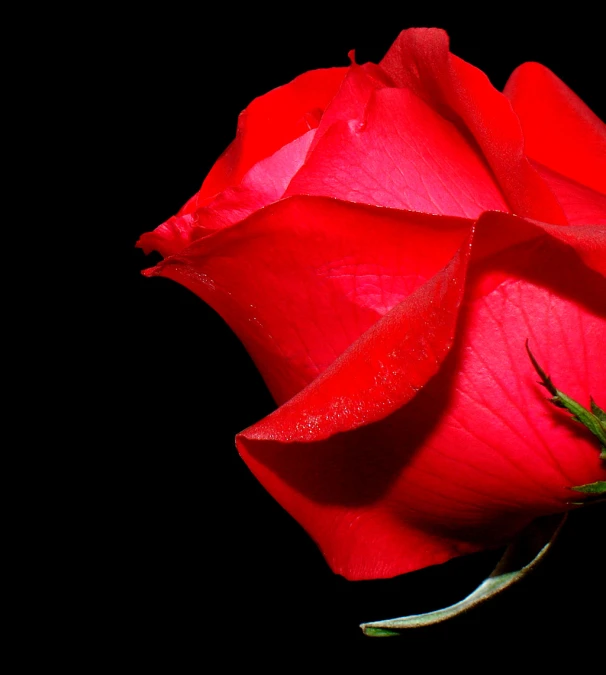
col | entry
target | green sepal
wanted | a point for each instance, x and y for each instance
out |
(519, 559)
(597, 488)
(594, 420)
(582, 415)
(380, 632)
(597, 411)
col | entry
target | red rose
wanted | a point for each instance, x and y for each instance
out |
(384, 239)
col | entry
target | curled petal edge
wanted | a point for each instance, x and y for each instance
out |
(416, 336)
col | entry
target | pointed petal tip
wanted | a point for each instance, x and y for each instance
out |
(154, 271)
(144, 244)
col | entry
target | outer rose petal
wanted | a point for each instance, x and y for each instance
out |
(560, 131)
(270, 122)
(384, 494)
(300, 280)
(402, 154)
(420, 60)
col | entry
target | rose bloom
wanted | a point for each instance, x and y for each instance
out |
(383, 239)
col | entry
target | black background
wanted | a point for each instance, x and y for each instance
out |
(193, 560)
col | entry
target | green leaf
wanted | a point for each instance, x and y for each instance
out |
(520, 558)
(597, 488)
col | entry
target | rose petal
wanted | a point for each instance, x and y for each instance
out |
(262, 185)
(300, 280)
(420, 60)
(560, 131)
(402, 155)
(270, 122)
(581, 204)
(383, 495)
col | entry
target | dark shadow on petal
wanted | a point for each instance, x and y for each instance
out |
(357, 467)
